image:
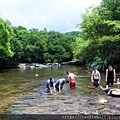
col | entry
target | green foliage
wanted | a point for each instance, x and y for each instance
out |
(91, 25)
(79, 51)
(73, 33)
(110, 9)
(99, 63)
(98, 43)
(34, 46)
(6, 35)
(59, 47)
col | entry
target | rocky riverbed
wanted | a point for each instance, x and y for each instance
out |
(73, 101)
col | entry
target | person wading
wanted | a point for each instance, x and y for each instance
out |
(110, 76)
(72, 77)
(95, 77)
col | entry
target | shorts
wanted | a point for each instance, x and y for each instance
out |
(110, 81)
(95, 83)
(72, 84)
(107, 90)
(51, 85)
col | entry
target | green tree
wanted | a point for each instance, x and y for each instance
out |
(97, 43)
(110, 9)
(6, 35)
(59, 47)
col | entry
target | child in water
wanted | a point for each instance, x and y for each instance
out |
(50, 85)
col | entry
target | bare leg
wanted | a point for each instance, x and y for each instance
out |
(51, 89)
(102, 88)
(54, 87)
(106, 86)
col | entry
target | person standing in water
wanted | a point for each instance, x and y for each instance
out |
(59, 84)
(110, 76)
(72, 77)
(95, 77)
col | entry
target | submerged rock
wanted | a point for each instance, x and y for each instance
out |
(68, 102)
(39, 102)
(53, 109)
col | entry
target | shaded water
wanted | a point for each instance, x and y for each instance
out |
(23, 92)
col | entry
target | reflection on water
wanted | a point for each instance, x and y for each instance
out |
(14, 82)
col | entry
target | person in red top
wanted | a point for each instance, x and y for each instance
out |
(72, 78)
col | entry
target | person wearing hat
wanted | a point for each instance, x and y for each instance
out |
(95, 77)
(111, 91)
(59, 84)
(50, 85)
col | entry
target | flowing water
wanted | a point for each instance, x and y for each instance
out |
(22, 91)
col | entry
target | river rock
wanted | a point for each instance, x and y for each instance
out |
(68, 102)
(53, 109)
(92, 102)
(105, 111)
(43, 103)
(118, 108)
(20, 106)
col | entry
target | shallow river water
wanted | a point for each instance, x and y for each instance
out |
(22, 91)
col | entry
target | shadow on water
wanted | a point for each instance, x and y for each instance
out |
(23, 92)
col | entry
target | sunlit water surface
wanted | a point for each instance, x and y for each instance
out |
(16, 82)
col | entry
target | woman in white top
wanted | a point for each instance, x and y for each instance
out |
(95, 77)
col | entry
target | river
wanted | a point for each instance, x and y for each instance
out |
(22, 91)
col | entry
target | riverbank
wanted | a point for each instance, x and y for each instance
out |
(41, 65)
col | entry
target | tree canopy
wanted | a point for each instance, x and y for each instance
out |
(96, 44)
(98, 41)
(17, 44)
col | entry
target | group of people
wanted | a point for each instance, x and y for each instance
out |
(95, 79)
(58, 85)
(110, 79)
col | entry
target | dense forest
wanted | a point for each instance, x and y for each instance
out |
(96, 44)
(19, 45)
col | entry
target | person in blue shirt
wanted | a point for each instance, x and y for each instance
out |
(50, 85)
(59, 84)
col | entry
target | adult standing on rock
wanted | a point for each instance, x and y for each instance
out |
(95, 77)
(110, 76)
(72, 77)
